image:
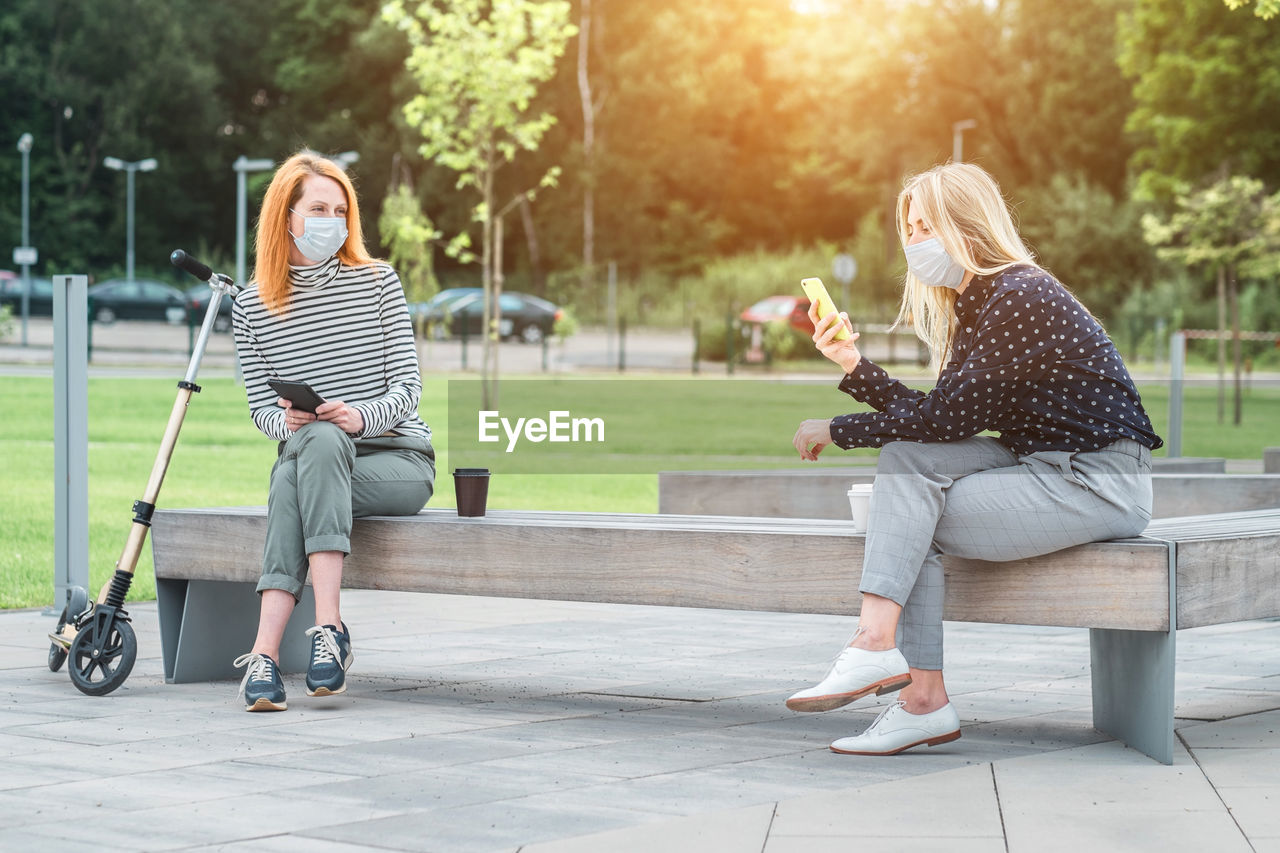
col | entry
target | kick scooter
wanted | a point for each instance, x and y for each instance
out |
(97, 637)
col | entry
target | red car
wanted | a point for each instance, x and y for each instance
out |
(791, 309)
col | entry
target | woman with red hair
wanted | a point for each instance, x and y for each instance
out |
(320, 310)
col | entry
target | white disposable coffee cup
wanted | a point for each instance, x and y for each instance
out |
(860, 504)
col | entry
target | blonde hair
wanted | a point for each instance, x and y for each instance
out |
(271, 269)
(962, 205)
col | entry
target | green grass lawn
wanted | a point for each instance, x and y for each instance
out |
(222, 460)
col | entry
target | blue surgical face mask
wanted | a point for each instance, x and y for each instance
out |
(322, 236)
(930, 263)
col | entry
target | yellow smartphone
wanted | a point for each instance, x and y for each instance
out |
(817, 293)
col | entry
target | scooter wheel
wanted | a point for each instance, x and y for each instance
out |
(77, 602)
(57, 657)
(98, 676)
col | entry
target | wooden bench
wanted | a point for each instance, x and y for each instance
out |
(1188, 465)
(820, 492)
(1132, 594)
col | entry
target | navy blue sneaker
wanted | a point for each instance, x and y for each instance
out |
(330, 659)
(262, 687)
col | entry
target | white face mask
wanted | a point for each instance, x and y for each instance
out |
(930, 263)
(322, 236)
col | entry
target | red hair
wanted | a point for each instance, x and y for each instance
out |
(271, 269)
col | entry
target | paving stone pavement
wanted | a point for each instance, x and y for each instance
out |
(479, 724)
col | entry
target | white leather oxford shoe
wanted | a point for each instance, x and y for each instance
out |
(855, 673)
(895, 730)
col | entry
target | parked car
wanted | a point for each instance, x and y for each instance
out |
(140, 299)
(39, 303)
(774, 309)
(524, 317)
(432, 309)
(199, 300)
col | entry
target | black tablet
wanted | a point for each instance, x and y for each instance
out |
(300, 394)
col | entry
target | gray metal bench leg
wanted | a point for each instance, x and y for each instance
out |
(205, 625)
(1133, 688)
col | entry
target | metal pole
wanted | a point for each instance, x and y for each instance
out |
(70, 435)
(128, 255)
(241, 223)
(728, 343)
(957, 138)
(1177, 360)
(243, 165)
(26, 237)
(464, 341)
(611, 320)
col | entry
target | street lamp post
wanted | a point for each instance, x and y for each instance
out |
(242, 166)
(957, 138)
(24, 145)
(129, 168)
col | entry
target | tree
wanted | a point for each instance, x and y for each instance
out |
(590, 108)
(316, 74)
(478, 65)
(73, 77)
(1206, 94)
(124, 78)
(1038, 76)
(1265, 9)
(1226, 227)
(411, 237)
(1089, 239)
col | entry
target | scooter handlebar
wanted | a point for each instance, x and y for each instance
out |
(183, 261)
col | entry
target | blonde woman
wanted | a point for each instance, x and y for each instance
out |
(1019, 356)
(320, 310)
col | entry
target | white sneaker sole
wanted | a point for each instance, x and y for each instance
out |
(931, 741)
(839, 700)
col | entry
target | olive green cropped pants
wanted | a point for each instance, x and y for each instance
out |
(323, 479)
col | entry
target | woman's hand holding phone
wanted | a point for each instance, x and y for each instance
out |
(844, 353)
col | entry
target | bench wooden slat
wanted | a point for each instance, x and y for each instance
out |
(1261, 522)
(791, 565)
(1227, 579)
(820, 492)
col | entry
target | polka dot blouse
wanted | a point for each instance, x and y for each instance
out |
(1028, 362)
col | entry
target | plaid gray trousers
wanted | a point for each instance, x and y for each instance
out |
(974, 498)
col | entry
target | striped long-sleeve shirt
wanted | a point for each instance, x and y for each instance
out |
(346, 333)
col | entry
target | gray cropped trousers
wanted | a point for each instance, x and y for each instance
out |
(323, 479)
(975, 498)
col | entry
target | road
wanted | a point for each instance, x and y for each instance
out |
(135, 346)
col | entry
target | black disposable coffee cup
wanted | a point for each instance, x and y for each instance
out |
(471, 490)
